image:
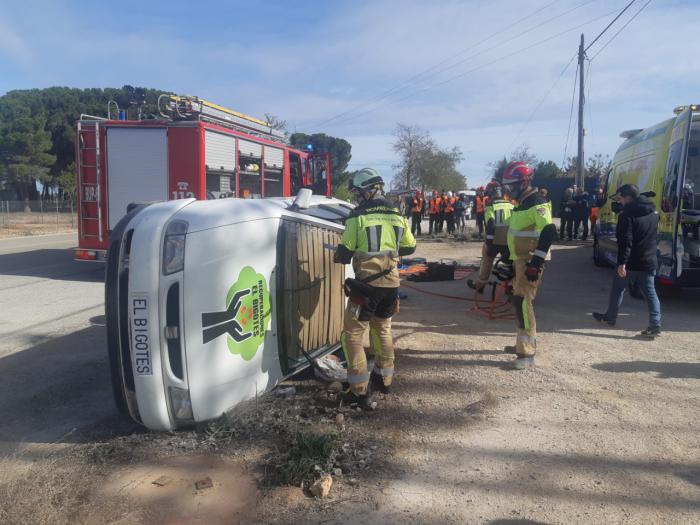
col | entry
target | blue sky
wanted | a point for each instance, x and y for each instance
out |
(308, 62)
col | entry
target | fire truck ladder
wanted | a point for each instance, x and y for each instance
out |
(89, 158)
(193, 108)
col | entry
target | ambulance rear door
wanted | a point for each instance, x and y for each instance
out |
(670, 247)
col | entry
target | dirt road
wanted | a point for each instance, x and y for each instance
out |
(604, 430)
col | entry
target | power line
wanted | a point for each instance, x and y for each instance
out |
(610, 24)
(571, 116)
(621, 29)
(430, 72)
(455, 77)
(540, 103)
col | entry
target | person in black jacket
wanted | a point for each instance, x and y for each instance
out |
(581, 212)
(566, 213)
(637, 226)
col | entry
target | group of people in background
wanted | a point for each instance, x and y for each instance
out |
(446, 211)
(577, 208)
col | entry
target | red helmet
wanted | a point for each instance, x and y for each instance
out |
(480, 188)
(492, 184)
(517, 172)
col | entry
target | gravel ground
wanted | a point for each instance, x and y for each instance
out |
(604, 430)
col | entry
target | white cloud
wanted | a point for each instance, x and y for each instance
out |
(361, 49)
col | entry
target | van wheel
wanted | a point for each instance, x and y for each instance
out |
(597, 256)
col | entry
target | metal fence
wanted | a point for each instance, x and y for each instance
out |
(40, 216)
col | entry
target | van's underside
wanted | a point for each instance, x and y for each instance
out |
(310, 291)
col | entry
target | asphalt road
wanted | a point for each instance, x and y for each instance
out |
(53, 365)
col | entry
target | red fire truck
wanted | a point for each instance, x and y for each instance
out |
(198, 150)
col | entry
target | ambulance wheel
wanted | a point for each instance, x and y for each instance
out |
(597, 256)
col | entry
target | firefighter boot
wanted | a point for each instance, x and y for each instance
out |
(383, 350)
(364, 401)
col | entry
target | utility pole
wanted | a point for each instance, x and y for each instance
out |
(579, 159)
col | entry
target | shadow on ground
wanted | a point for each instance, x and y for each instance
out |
(59, 390)
(50, 264)
(662, 370)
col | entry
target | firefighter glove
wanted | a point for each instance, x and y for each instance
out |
(534, 268)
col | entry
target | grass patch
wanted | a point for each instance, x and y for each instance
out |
(307, 455)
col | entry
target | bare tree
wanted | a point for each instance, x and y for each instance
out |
(411, 144)
(275, 122)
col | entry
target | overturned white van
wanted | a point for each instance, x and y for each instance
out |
(209, 303)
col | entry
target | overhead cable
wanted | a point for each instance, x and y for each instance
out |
(482, 66)
(431, 71)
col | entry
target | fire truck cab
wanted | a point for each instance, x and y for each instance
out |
(197, 150)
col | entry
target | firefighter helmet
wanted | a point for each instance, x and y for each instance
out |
(493, 188)
(366, 179)
(517, 172)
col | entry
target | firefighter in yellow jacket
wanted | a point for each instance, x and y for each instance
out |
(375, 236)
(530, 236)
(496, 215)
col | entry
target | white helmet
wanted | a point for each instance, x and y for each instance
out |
(449, 194)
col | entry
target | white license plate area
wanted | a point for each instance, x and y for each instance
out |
(140, 335)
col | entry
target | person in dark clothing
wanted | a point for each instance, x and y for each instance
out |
(581, 212)
(566, 214)
(637, 226)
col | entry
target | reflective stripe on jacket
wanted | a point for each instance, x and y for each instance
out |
(526, 224)
(375, 232)
(499, 211)
(435, 205)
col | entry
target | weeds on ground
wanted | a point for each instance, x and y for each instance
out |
(307, 455)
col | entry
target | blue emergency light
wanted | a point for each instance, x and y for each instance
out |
(309, 147)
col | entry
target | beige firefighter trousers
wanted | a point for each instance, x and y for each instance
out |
(381, 344)
(488, 256)
(524, 293)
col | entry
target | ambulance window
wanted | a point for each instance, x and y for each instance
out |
(669, 199)
(691, 184)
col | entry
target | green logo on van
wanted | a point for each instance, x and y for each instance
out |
(248, 310)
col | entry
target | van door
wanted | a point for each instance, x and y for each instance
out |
(670, 248)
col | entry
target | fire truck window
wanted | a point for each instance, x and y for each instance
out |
(220, 185)
(296, 182)
(250, 176)
(318, 174)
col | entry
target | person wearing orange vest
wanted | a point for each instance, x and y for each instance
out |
(434, 210)
(417, 208)
(480, 209)
(449, 212)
